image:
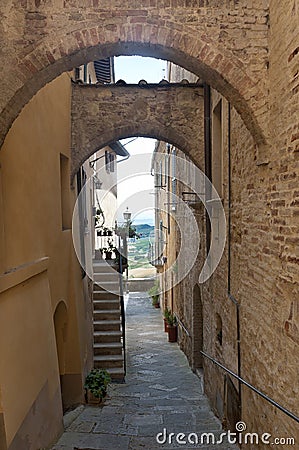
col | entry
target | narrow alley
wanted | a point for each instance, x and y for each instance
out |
(160, 392)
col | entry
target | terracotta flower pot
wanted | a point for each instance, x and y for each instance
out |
(172, 333)
(165, 326)
(108, 255)
(91, 399)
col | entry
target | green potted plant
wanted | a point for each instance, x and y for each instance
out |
(154, 292)
(110, 249)
(96, 384)
(166, 314)
(172, 327)
(104, 231)
(103, 251)
(155, 301)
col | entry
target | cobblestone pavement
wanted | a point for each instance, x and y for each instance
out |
(160, 393)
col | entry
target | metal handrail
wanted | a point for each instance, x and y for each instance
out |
(183, 326)
(122, 304)
(250, 386)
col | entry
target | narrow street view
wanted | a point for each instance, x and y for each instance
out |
(149, 224)
(160, 393)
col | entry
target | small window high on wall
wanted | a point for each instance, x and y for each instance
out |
(217, 148)
(64, 190)
(109, 161)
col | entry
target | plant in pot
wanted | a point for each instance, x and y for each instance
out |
(103, 251)
(166, 314)
(110, 249)
(155, 301)
(100, 231)
(154, 292)
(172, 327)
(96, 384)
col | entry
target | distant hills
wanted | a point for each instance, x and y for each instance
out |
(144, 229)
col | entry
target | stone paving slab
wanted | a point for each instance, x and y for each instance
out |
(161, 392)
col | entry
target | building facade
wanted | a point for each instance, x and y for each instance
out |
(247, 52)
(215, 317)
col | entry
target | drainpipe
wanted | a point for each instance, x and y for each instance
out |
(167, 171)
(208, 156)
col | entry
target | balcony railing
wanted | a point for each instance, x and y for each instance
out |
(110, 245)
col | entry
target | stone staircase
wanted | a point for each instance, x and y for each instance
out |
(108, 345)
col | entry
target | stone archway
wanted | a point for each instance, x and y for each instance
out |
(171, 113)
(53, 39)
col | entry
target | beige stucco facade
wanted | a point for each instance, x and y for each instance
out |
(44, 303)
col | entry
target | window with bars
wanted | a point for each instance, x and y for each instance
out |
(173, 179)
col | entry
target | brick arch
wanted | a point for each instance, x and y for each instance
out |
(160, 133)
(192, 48)
(102, 115)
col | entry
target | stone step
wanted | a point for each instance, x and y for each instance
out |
(106, 284)
(108, 361)
(103, 267)
(104, 279)
(107, 336)
(106, 314)
(104, 295)
(114, 290)
(117, 374)
(108, 348)
(106, 325)
(106, 304)
(106, 276)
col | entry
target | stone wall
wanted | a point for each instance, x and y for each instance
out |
(255, 68)
(259, 269)
(226, 46)
(101, 115)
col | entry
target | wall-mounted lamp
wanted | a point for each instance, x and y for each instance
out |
(127, 215)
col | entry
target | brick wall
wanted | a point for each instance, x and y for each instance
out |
(227, 46)
(101, 115)
(261, 271)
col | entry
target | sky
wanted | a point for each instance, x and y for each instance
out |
(135, 183)
(137, 191)
(132, 69)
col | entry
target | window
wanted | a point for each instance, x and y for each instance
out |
(173, 180)
(158, 175)
(109, 161)
(64, 191)
(166, 159)
(217, 148)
